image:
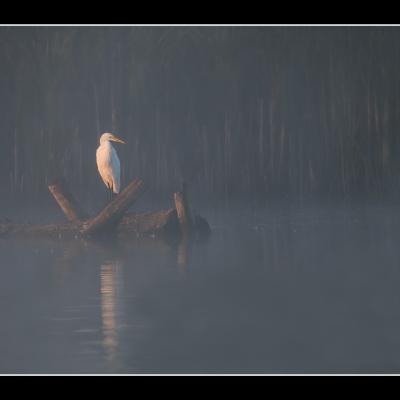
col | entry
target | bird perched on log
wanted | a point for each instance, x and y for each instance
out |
(108, 162)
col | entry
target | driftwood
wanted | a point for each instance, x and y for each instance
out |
(161, 223)
(114, 211)
(113, 219)
(134, 225)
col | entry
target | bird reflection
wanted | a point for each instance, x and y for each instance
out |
(111, 285)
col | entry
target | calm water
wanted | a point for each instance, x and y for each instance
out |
(278, 290)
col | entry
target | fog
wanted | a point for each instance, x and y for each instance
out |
(235, 111)
(287, 138)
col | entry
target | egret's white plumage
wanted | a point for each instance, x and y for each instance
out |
(108, 162)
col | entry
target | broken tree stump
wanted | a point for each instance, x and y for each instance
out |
(183, 211)
(67, 202)
(114, 211)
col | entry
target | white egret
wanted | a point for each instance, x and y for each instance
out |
(108, 162)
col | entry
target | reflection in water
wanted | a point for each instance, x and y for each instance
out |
(183, 255)
(281, 291)
(111, 285)
(65, 260)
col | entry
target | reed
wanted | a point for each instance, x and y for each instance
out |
(267, 111)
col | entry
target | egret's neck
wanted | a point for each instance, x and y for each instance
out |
(105, 142)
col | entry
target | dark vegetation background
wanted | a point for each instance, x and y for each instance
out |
(265, 112)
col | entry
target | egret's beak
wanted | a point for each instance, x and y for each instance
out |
(117, 139)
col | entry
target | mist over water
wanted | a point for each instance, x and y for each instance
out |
(275, 290)
(288, 141)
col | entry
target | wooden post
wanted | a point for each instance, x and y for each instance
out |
(183, 211)
(115, 210)
(66, 201)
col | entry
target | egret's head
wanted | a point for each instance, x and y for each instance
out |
(109, 137)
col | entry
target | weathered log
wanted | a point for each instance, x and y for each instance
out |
(162, 223)
(57, 231)
(167, 223)
(183, 211)
(111, 215)
(67, 202)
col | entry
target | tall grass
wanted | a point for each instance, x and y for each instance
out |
(234, 111)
